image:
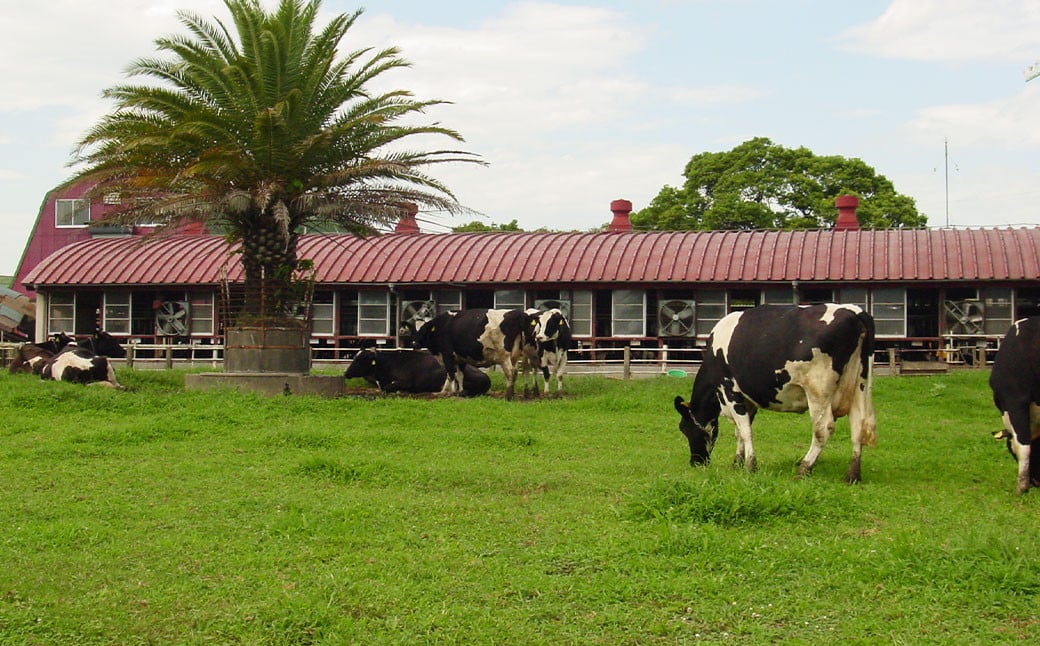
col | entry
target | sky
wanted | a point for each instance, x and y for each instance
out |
(573, 104)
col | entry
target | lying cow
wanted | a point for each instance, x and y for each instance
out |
(412, 371)
(478, 337)
(1015, 381)
(30, 357)
(787, 358)
(86, 361)
(80, 365)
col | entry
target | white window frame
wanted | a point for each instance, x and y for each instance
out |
(447, 300)
(710, 307)
(61, 300)
(323, 317)
(622, 313)
(117, 312)
(510, 299)
(581, 313)
(201, 314)
(372, 301)
(882, 305)
(74, 206)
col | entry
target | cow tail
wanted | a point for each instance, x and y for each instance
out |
(869, 431)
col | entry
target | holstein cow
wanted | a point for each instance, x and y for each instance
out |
(552, 341)
(788, 358)
(412, 371)
(1015, 381)
(31, 356)
(86, 362)
(478, 337)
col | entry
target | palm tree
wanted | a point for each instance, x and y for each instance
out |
(261, 131)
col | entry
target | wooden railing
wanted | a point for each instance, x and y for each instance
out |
(625, 362)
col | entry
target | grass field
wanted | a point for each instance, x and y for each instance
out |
(159, 516)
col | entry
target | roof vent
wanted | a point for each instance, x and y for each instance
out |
(621, 222)
(847, 220)
(407, 223)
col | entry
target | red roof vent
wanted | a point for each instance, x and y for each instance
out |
(847, 220)
(620, 223)
(407, 223)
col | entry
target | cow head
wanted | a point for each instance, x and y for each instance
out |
(551, 323)
(362, 366)
(424, 337)
(700, 435)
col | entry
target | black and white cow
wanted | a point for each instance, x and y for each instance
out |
(1015, 381)
(552, 341)
(30, 357)
(478, 337)
(788, 358)
(86, 361)
(412, 371)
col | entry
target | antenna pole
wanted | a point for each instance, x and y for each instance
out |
(946, 159)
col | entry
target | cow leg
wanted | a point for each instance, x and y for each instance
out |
(862, 425)
(745, 455)
(823, 425)
(1015, 420)
(509, 371)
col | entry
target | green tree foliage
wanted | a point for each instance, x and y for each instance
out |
(476, 226)
(261, 128)
(761, 185)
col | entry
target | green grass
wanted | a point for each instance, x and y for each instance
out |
(159, 516)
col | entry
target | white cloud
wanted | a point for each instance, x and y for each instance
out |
(1007, 123)
(952, 30)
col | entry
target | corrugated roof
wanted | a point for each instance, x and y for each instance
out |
(636, 257)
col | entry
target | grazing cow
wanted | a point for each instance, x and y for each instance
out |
(412, 371)
(552, 341)
(1015, 381)
(86, 361)
(788, 358)
(31, 356)
(478, 337)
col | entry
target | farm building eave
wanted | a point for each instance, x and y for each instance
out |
(467, 259)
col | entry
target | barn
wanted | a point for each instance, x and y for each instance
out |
(940, 293)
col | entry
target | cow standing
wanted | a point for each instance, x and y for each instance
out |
(552, 341)
(1015, 381)
(478, 337)
(412, 371)
(788, 358)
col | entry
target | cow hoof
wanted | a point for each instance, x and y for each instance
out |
(804, 469)
(853, 478)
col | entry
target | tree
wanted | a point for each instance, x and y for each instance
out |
(476, 226)
(260, 130)
(760, 185)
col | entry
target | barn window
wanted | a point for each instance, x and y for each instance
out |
(373, 313)
(711, 307)
(448, 300)
(510, 299)
(61, 313)
(997, 304)
(888, 307)
(323, 314)
(71, 213)
(581, 312)
(854, 296)
(201, 308)
(628, 313)
(117, 312)
(779, 296)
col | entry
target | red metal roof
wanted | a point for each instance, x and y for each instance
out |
(511, 258)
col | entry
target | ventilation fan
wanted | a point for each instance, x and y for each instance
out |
(546, 304)
(171, 318)
(676, 318)
(965, 317)
(415, 313)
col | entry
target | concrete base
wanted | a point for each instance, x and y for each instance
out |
(268, 383)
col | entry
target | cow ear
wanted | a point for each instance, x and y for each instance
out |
(682, 406)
